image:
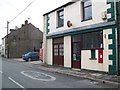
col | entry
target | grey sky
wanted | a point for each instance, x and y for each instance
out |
(10, 8)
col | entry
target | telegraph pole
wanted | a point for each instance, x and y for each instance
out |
(7, 40)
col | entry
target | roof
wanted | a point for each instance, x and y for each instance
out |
(67, 4)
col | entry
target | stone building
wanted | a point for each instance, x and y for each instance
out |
(22, 40)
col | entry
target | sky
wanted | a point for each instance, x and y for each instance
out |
(9, 9)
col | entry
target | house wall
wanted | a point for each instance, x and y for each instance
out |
(36, 36)
(74, 14)
(25, 39)
(49, 52)
(67, 51)
(87, 63)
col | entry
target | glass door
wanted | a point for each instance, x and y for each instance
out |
(76, 51)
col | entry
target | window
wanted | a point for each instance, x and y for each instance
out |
(61, 49)
(93, 40)
(93, 56)
(55, 50)
(87, 9)
(60, 18)
(76, 38)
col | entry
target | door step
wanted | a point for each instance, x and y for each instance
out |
(76, 69)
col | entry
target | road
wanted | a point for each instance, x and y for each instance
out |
(23, 75)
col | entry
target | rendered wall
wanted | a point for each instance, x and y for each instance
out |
(74, 14)
(109, 56)
(49, 52)
(67, 51)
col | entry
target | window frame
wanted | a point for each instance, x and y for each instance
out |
(93, 54)
(83, 10)
(91, 37)
(60, 24)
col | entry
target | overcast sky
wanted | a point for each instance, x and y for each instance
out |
(11, 8)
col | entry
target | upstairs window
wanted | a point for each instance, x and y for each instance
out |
(87, 9)
(60, 18)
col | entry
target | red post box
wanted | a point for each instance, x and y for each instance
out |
(41, 54)
(100, 56)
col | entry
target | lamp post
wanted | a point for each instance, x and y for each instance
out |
(7, 40)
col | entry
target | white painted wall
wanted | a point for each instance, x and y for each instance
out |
(67, 51)
(86, 63)
(49, 52)
(3, 47)
(74, 14)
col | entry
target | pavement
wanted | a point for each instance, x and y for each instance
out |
(91, 75)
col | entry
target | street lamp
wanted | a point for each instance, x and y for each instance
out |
(7, 40)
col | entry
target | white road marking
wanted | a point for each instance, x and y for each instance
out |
(1, 72)
(37, 75)
(16, 82)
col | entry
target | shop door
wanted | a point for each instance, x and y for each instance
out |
(58, 52)
(76, 52)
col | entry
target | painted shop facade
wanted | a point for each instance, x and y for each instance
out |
(82, 34)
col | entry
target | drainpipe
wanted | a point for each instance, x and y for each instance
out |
(7, 39)
(117, 23)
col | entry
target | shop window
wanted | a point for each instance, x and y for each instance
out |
(87, 9)
(93, 40)
(60, 15)
(76, 38)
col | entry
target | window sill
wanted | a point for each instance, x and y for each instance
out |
(93, 58)
(86, 19)
(59, 26)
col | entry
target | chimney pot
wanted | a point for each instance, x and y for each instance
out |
(26, 21)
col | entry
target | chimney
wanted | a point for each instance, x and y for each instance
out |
(26, 21)
(12, 30)
(22, 25)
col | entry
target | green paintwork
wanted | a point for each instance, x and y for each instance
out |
(117, 23)
(47, 24)
(81, 31)
(111, 10)
(113, 67)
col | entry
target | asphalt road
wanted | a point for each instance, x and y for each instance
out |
(23, 75)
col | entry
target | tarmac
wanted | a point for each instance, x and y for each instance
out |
(91, 75)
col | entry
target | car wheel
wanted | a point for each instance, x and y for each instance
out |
(26, 60)
(29, 59)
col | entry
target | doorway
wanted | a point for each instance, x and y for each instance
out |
(76, 51)
(58, 51)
